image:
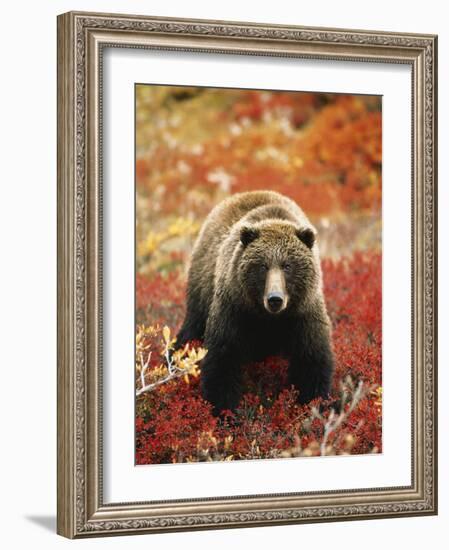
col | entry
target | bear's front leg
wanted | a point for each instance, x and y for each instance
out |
(194, 323)
(221, 379)
(312, 360)
(221, 373)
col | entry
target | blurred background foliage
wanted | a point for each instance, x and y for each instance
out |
(195, 146)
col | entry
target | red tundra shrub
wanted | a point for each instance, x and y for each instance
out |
(174, 419)
(174, 423)
(160, 298)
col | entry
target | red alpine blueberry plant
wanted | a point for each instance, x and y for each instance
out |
(196, 146)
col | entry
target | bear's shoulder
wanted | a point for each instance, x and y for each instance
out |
(256, 206)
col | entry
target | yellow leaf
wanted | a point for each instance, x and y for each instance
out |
(166, 334)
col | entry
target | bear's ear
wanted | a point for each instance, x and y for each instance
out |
(307, 236)
(248, 235)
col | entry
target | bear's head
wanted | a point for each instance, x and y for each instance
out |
(278, 267)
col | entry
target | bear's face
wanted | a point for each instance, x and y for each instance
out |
(277, 267)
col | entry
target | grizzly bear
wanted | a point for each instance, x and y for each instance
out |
(255, 290)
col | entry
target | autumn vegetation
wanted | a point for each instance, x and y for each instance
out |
(195, 147)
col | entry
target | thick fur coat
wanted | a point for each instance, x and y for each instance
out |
(254, 290)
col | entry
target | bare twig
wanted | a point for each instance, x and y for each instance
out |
(144, 366)
(170, 376)
(334, 422)
(180, 363)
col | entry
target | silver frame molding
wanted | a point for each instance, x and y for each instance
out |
(81, 39)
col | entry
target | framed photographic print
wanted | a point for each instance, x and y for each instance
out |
(246, 274)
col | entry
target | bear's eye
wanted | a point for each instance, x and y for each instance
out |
(263, 267)
(287, 267)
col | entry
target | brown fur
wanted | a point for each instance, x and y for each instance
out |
(243, 239)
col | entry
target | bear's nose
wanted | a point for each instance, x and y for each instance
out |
(275, 301)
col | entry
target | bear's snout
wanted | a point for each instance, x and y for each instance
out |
(275, 295)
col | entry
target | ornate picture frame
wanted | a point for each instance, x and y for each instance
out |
(82, 38)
